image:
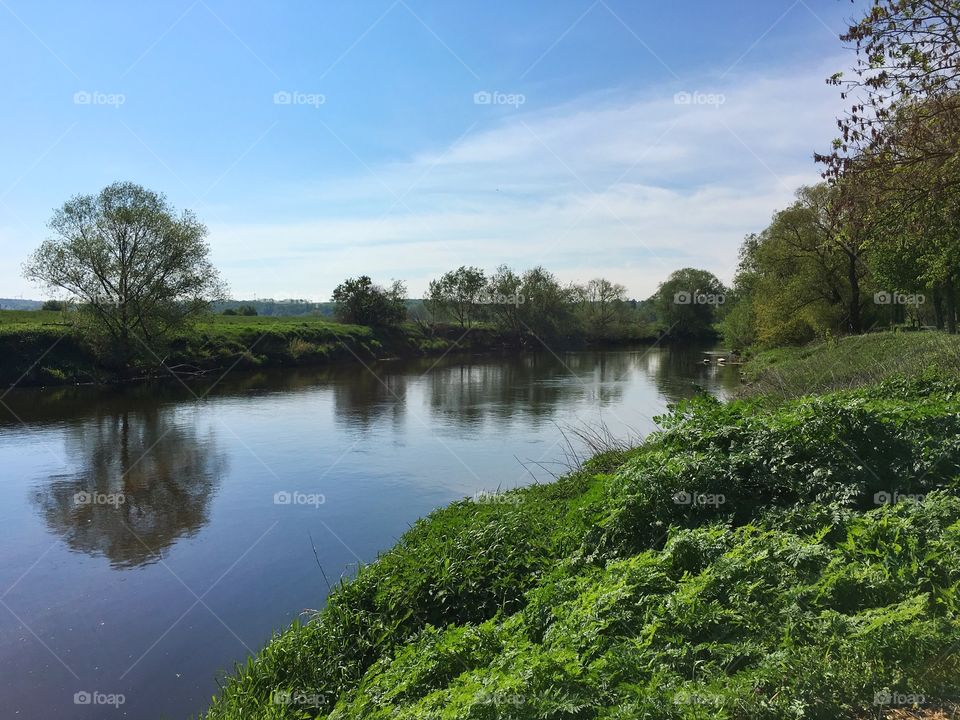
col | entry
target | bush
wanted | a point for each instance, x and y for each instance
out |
(359, 301)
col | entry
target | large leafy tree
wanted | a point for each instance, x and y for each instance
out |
(687, 303)
(547, 307)
(805, 274)
(900, 138)
(136, 267)
(359, 300)
(906, 51)
(602, 306)
(505, 291)
(459, 295)
(914, 177)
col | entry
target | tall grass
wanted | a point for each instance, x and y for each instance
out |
(851, 362)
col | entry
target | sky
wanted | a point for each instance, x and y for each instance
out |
(403, 138)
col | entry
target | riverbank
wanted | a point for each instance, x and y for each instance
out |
(43, 348)
(751, 560)
(851, 362)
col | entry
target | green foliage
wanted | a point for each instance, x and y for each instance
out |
(359, 301)
(503, 285)
(687, 303)
(738, 328)
(534, 307)
(604, 595)
(137, 269)
(546, 310)
(806, 274)
(458, 295)
(603, 309)
(899, 146)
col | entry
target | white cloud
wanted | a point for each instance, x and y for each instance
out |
(630, 189)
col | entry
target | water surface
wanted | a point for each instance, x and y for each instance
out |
(154, 535)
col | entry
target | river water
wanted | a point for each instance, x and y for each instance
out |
(154, 535)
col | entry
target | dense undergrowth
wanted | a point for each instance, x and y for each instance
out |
(749, 560)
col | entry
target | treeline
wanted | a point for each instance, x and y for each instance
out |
(839, 261)
(877, 243)
(535, 303)
(269, 307)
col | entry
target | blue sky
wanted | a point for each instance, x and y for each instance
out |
(403, 138)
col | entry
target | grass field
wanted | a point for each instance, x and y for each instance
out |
(225, 324)
(43, 348)
(10, 319)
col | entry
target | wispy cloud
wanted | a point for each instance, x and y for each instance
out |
(629, 186)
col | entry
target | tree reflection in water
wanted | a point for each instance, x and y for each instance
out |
(148, 478)
(534, 385)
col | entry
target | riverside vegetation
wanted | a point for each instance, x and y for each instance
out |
(769, 557)
(50, 347)
(46, 348)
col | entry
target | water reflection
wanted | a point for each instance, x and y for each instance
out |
(362, 397)
(534, 386)
(679, 371)
(149, 446)
(145, 479)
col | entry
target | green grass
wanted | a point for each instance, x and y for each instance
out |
(15, 319)
(851, 362)
(602, 596)
(44, 348)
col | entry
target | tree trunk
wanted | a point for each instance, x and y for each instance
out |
(938, 308)
(951, 305)
(856, 322)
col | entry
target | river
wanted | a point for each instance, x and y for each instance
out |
(152, 536)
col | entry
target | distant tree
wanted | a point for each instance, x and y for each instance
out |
(458, 295)
(230, 312)
(687, 303)
(54, 305)
(136, 267)
(505, 294)
(547, 307)
(247, 310)
(360, 301)
(602, 306)
(419, 313)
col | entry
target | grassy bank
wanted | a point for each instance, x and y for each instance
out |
(749, 560)
(44, 348)
(851, 362)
